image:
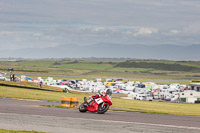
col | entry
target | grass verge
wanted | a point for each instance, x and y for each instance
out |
(57, 106)
(121, 104)
(17, 131)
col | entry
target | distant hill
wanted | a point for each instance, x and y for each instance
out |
(166, 52)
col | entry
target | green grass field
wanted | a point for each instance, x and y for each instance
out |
(184, 70)
(120, 104)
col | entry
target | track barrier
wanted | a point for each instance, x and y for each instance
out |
(69, 102)
(65, 101)
(74, 102)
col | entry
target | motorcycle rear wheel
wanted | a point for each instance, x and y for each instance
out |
(102, 110)
(82, 108)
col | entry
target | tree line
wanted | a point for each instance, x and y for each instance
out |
(157, 66)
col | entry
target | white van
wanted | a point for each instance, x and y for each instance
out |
(2, 76)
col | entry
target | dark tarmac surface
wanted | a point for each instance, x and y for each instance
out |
(32, 116)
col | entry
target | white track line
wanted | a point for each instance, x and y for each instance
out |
(140, 123)
(113, 121)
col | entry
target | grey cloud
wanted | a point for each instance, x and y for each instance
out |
(192, 29)
(50, 23)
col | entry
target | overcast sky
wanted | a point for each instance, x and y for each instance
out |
(50, 23)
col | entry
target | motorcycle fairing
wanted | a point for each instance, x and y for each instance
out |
(93, 106)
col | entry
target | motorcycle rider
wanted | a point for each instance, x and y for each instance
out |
(100, 93)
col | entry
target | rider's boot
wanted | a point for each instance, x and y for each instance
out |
(86, 103)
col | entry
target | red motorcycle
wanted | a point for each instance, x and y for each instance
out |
(98, 103)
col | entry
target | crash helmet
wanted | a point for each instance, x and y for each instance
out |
(109, 92)
(101, 92)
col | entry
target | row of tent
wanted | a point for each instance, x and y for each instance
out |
(46, 81)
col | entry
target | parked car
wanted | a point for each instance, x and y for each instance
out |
(2, 76)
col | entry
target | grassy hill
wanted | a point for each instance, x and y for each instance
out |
(134, 69)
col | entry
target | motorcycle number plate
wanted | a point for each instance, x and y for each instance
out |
(99, 100)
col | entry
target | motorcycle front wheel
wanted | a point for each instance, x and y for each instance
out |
(102, 109)
(82, 108)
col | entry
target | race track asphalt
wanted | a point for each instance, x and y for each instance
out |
(28, 115)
